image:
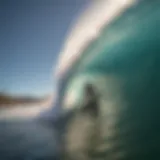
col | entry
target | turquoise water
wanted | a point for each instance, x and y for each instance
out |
(126, 49)
(123, 65)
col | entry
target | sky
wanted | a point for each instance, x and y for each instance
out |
(32, 33)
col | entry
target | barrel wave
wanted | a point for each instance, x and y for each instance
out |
(122, 63)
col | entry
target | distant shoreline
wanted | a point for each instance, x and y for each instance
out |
(11, 101)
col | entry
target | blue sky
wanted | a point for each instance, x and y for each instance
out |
(32, 33)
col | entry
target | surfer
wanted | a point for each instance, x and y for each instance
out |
(91, 100)
(92, 107)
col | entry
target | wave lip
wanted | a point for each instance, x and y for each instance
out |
(87, 29)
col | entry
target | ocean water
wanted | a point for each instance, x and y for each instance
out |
(123, 65)
(25, 137)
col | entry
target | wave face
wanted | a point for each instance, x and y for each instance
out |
(123, 65)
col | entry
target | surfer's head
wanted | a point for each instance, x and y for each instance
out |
(89, 89)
